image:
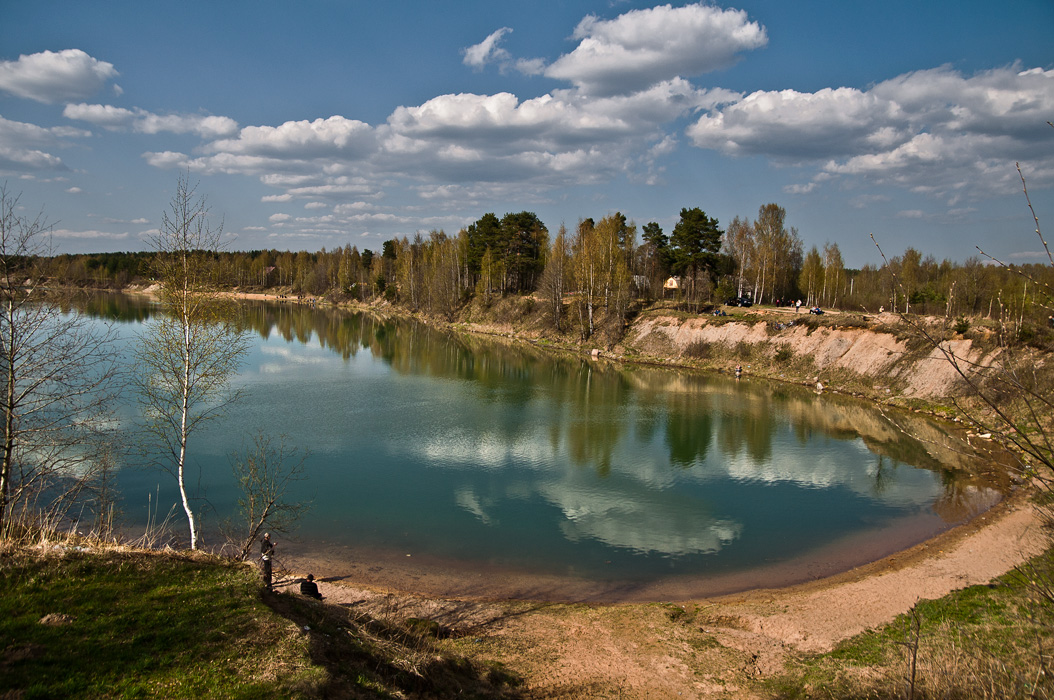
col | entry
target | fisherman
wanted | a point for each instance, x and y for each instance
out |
(266, 553)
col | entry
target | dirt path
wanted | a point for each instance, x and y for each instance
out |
(712, 648)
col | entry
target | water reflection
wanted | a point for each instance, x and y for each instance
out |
(474, 448)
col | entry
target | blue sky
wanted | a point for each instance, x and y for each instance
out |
(320, 123)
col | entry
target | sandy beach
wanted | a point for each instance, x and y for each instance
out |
(631, 646)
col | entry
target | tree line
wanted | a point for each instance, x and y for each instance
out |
(603, 269)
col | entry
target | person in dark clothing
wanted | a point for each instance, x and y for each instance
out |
(266, 553)
(308, 587)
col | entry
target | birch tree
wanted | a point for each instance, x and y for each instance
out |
(189, 354)
(59, 374)
(811, 277)
(739, 243)
(586, 269)
(554, 277)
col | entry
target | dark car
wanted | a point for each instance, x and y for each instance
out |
(740, 301)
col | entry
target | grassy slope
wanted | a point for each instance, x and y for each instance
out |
(132, 624)
(166, 625)
(980, 642)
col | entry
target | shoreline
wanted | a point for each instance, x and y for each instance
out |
(432, 576)
(813, 614)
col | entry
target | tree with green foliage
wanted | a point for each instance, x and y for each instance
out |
(779, 254)
(189, 354)
(525, 241)
(483, 235)
(587, 272)
(833, 275)
(694, 244)
(739, 244)
(811, 277)
(653, 258)
(555, 276)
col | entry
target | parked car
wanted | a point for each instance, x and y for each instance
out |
(740, 301)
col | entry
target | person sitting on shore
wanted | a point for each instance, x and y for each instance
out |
(309, 588)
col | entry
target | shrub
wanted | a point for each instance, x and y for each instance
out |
(962, 325)
(697, 350)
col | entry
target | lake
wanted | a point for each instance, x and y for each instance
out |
(457, 464)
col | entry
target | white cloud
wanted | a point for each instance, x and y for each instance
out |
(52, 77)
(26, 147)
(491, 144)
(487, 51)
(530, 66)
(1039, 256)
(934, 132)
(279, 218)
(644, 47)
(141, 121)
(791, 124)
(335, 137)
(202, 125)
(89, 234)
(167, 159)
(106, 116)
(140, 221)
(483, 136)
(800, 188)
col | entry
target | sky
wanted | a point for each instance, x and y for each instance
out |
(320, 123)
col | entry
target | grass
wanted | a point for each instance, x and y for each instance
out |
(980, 642)
(133, 624)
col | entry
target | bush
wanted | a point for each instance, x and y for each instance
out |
(962, 325)
(698, 350)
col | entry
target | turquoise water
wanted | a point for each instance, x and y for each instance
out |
(483, 455)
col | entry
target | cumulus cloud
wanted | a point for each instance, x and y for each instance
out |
(106, 116)
(492, 144)
(644, 47)
(335, 137)
(933, 131)
(791, 124)
(142, 121)
(487, 51)
(556, 128)
(52, 76)
(927, 131)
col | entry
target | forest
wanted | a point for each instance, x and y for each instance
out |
(609, 268)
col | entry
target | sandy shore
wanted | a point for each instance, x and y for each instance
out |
(811, 616)
(639, 651)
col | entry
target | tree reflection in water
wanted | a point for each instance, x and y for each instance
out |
(506, 452)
